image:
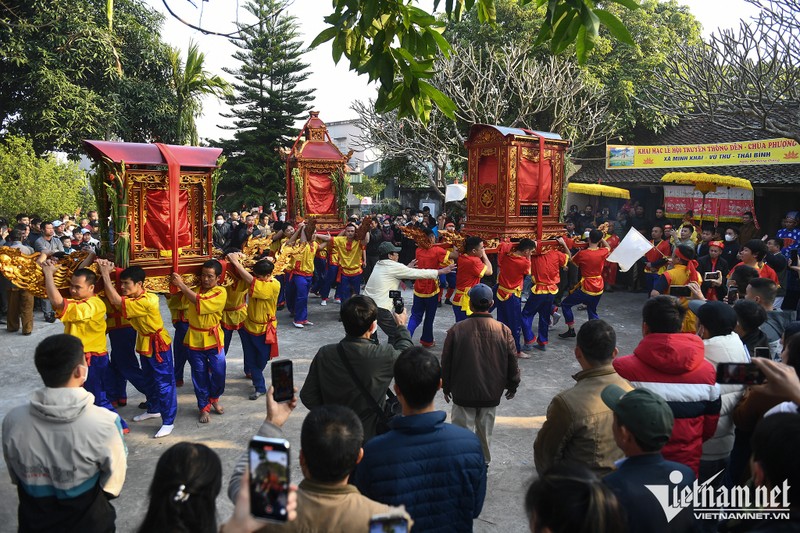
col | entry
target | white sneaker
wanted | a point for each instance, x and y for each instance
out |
(146, 416)
(324, 302)
(165, 430)
(299, 326)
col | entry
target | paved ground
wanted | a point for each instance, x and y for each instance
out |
(512, 446)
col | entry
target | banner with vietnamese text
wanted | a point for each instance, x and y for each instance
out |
(763, 152)
(726, 204)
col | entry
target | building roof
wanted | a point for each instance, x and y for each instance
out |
(694, 131)
(149, 154)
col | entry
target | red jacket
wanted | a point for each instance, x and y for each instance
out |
(672, 365)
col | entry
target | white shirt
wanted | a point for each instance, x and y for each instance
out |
(386, 277)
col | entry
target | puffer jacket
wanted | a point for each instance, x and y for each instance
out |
(724, 349)
(672, 366)
(435, 469)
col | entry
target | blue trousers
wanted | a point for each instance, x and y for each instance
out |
(423, 307)
(162, 397)
(459, 314)
(179, 351)
(97, 383)
(650, 281)
(327, 283)
(320, 268)
(297, 297)
(509, 312)
(227, 335)
(349, 286)
(576, 297)
(208, 375)
(124, 365)
(537, 304)
(282, 294)
(258, 354)
(447, 281)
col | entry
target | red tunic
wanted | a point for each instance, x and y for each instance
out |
(591, 262)
(546, 271)
(513, 269)
(660, 251)
(433, 258)
(469, 273)
(764, 271)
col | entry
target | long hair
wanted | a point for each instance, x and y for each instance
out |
(184, 490)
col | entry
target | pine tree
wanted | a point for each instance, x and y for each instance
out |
(265, 105)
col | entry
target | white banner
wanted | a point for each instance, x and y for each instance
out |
(455, 192)
(630, 249)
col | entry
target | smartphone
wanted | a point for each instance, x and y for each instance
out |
(793, 256)
(269, 478)
(282, 380)
(712, 275)
(762, 351)
(739, 374)
(388, 523)
(733, 295)
(681, 291)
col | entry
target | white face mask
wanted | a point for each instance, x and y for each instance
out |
(586, 235)
(729, 238)
(220, 222)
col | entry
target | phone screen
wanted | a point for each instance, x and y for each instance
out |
(269, 478)
(762, 351)
(388, 524)
(733, 295)
(282, 380)
(682, 291)
(739, 374)
(712, 275)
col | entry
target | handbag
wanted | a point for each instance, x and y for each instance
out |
(391, 408)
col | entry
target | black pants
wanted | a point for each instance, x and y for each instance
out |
(388, 325)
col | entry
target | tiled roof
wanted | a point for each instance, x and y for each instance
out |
(695, 131)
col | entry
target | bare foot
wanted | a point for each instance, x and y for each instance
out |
(217, 408)
(205, 418)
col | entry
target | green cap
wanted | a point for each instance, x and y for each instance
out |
(643, 412)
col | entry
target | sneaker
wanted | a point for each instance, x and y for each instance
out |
(569, 334)
(528, 347)
(337, 300)
(540, 347)
(324, 301)
(427, 344)
(447, 301)
(255, 395)
(554, 318)
(50, 318)
(280, 307)
(439, 303)
(581, 307)
(299, 326)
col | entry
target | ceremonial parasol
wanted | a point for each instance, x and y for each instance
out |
(705, 183)
(595, 189)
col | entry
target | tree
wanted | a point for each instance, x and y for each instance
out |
(743, 80)
(266, 103)
(41, 185)
(68, 77)
(369, 186)
(191, 83)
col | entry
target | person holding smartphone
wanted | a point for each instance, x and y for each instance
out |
(714, 270)
(682, 273)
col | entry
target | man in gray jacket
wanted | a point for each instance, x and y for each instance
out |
(330, 382)
(48, 244)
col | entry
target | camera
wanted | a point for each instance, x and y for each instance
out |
(397, 301)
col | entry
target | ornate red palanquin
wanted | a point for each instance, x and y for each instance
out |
(164, 194)
(512, 191)
(315, 176)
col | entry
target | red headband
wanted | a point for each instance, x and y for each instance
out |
(691, 264)
(718, 244)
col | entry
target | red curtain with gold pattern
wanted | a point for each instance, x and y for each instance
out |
(320, 195)
(156, 231)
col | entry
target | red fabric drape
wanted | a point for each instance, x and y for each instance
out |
(157, 232)
(320, 195)
(528, 181)
(487, 170)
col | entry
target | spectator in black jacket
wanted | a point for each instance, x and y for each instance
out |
(221, 232)
(243, 232)
(779, 264)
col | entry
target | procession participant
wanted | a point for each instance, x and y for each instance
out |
(180, 354)
(448, 280)
(301, 274)
(683, 272)
(514, 265)
(234, 313)
(83, 316)
(752, 254)
(347, 271)
(122, 365)
(656, 259)
(141, 309)
(610, 269)
(320, 269)
(716, 289)
(546, 268)
(278, 239)
(427, 291)
(473, 264)
(260, 334)
(206, 352)
(589, 290)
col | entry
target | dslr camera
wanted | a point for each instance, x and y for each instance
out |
(397, 302)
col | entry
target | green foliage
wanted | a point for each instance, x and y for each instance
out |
(401, 171)
(68, 77)
(395, 42)
(41, 185)
(369, 187)
(265, 106)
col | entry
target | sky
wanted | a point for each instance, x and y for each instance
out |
(335, 86)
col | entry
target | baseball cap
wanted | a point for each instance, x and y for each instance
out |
(387, 248)
(85, 230)
(715, 316)
(56, 223)
(481, 294)
(643, 412)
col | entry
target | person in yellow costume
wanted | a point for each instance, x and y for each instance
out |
(180, 354)
(142, 310)
(301, 274)
(349, 253)
(204, 337)
(84, 316)
(260, 332)
(683, 271)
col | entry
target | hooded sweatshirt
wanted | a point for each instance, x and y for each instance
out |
(66, 456)
(672, 366)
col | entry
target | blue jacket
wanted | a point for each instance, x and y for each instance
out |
(435, 469)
